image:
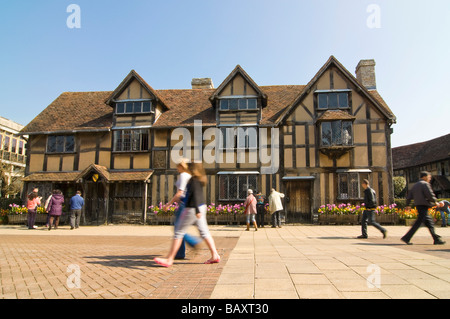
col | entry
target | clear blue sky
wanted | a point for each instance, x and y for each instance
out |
(277, 42)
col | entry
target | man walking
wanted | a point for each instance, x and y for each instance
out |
(76, 204)
(370, 203)
(424, 198)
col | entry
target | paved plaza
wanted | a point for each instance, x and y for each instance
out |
(293, 262)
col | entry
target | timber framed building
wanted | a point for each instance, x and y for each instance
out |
(116, 146)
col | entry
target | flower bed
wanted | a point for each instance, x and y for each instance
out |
(18, 214)
(385, 214)
(227, 214)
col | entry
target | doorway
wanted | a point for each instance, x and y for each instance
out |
(298, 201)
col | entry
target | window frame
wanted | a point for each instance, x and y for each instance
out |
(132, 104)
(241, 181)
(238, 100)
(342, 124)
(134, 138)
(351, 187)
(64, 139)
(338, 93)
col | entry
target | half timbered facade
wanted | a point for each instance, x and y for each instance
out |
(314, 142)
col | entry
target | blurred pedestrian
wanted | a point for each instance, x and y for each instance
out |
(275, 207)
(54, 208)
(181, 185)
(443, 207)
(250, 209)
(424, 198)
(370, 204)
(193, 213)
(76, 205)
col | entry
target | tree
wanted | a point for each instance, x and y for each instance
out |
(10, 179)
(399, 186)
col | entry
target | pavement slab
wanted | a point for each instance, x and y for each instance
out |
(292, 262)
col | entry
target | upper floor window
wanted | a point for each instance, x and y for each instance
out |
(336, 133)
(235, 104)
(239, 137)
(131, 140)
(60, 144)
(134, 107)
(332, 100)
(6, 143)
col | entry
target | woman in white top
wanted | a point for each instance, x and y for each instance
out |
(181, 184)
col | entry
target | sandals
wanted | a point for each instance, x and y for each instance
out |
(212, 261)
(161, 263)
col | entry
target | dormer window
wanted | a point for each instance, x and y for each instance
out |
(332, 99)
(238, 104)
(134, 107)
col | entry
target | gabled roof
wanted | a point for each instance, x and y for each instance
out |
(73, 112)
(421, 153)
(372, 95)
(91, 111)
(133, 75)
(115, 175)
(238, 70)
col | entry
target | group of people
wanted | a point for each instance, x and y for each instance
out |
(54, 207)
(255, 208)
(423, 197)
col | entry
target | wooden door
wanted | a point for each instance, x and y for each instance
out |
(298, 201)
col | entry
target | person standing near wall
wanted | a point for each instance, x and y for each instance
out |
(275, 207)
(250, 210)
(54, 208)
(260, 209)
(76, 204)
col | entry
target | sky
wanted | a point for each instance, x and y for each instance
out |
(44, 52)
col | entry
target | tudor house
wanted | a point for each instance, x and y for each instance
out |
(322, 139)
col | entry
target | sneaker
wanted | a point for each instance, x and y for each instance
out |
(439, 242)
(405, 241)
(385, 234)
(362, 237)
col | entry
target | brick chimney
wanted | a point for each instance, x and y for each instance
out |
(202, 83)
(365, 74)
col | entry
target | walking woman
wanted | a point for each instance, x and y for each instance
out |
(193, 213)
(54, 208)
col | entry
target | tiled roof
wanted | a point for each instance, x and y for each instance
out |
(73, 111)
(332, 115)
(108, 175)
(421, 153)
(51, 177)
(116, 175)
(89, 111)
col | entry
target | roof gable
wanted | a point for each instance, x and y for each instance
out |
(239, 71)
(371, 95)
(129, 79)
